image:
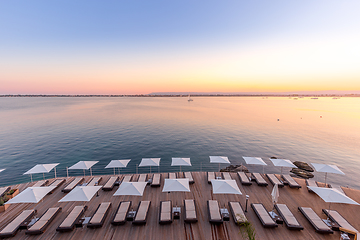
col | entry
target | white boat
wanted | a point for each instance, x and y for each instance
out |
(189, 99)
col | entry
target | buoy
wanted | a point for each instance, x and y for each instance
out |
(278, 119)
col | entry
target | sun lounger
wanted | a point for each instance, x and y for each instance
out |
(259, 179)
(190, 211)
(210, 176)
(3, 190)
(289, 219)
(127, 178)
(226, 176)
(172, 175)
(165, 214)
(237, 212)
(189, 176)
(57, 183)
(356, 234)
(73, 184)
(263, 215)
(156, 180)
(142, 177)
(142, 212)
(94, 181)
(274, 180)
(109, 185)
(11, 229)
(214, 212)
(44, 221)
(244, 179)
(40, 183)
(310, 183)
(97, 220)
(290, 181)
(315, 220)
(69, 222)
(121, 213)
(336, 217)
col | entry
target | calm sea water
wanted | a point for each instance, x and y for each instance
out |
(68, 130)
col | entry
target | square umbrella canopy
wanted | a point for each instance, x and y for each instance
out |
(42, 168)
(327, 169)
(332, 195)
(225, 187)
(282, 163)
(118, 164)
(176, 185)
(81, 194)
(131, 189)
(2, 169)
(84, 165)
(180, 162)
(148, 162)
(254, 161)
(219, 159)
(31, 195)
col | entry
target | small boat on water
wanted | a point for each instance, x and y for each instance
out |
(189, 99)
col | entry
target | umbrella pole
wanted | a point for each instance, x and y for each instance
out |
(325, 178)
(55, 171)
(44, 176)
(67, 172)
(90, 172)
(84, 172)
(180, 168)
(150, 169)
(31, 177)
(114, 171)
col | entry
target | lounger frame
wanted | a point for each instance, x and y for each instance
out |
(141, 222)
(43, 228)
(99, 224)
(287, 177)
(13, 233)
(190, 220)
(259, 183)
(317, 229)
(334, 220)
(272, 178)
(156, 184)
(211, 220)
(171, 215)
(77, 181)
(210, 175)
(288, 225)
(246, 183)
(113, 221)
(234, 214)
(191, 179)
(265, 225)
(72, 226)
(111, 187)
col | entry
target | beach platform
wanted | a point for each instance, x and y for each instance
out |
(178, 229)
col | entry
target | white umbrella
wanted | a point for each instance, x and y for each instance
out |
(81, 194)
(176, 185)
(282, 163)
(275, 194)
(219, 159)
(42, 168)
(31, 195)
(180, 162)
(84, 165)
(131, 188)
(148, 162)
(225, 187)
(118, 164)
(332, 195)
(254, 161)
(2, 169)
(327, 169)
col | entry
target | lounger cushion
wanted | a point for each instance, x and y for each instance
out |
(289, 219)
(156, 180)
(189, 176)
(292, 183)
(214, 211)
(244, 178)
(339, 219)
(13, 226)
(109, 185)
(274, 180)
(315, 220)
(259, 179)
(237, 212)
(165, 212)
(190, 210)
(172, 175)
(142, 178)
(123, 209)
(127, 178)
(44, 220)
(69, 222)
(141, 213)
(226, 176)
(263, 215)
(100, 213)
(210, 175)
(94, 180)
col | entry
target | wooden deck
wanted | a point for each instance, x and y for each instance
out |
(201, 192)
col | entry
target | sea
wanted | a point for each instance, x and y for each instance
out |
(65, 130)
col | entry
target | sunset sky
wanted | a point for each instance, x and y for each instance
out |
(139, 47)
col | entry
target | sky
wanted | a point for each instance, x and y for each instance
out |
(139, 47)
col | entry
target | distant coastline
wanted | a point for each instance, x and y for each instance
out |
(181, 95)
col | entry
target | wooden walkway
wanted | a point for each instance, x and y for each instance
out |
(201, 192)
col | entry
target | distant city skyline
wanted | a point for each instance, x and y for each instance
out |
(128, 47)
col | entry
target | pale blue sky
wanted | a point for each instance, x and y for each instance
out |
(51, 34)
